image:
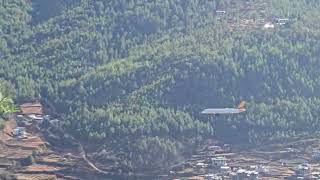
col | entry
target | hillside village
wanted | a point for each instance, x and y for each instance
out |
(250, 15)
(299, 159)
(31, 149)
(24, 149)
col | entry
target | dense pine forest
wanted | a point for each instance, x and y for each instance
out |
(132, 76)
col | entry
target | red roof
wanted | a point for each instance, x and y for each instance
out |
(31, 108)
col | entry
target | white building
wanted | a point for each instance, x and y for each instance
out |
(201, 165)
(282, 21)
(302, 170)
(316, 154)
(212, 177)
(244, 174)
(268, 25)
(220, 12)
(219, 161)
(35, 117)
(19, 132)
(225, 169)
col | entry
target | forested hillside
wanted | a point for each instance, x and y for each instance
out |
(6, 102)
(132, 76)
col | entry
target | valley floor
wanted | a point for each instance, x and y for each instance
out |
(288, 160)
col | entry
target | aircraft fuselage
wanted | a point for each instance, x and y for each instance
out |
(223, 111)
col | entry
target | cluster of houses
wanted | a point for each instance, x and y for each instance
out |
(277, 21)
(303, 171)
(245, 174)
(222, 170)
(251, 172)
(220, 14)
(218, 167)
(30, 113)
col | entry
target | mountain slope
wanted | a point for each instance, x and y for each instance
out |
(131, 78)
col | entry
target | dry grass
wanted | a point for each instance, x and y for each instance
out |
(37, 168)
(35, 177)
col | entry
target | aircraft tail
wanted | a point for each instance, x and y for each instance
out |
(241, 105)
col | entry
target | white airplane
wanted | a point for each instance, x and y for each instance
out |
(216, 111)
